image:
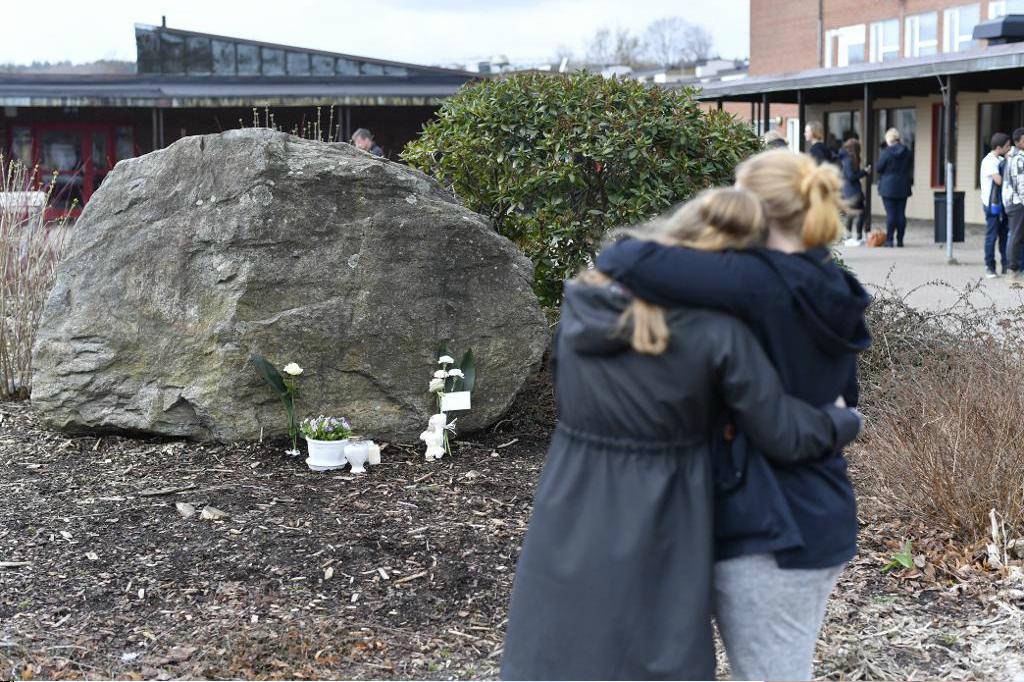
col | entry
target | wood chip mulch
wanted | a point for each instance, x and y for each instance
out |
(108, 568)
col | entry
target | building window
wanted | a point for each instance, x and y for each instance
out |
(903, 120)
(885, 40)
(1000, 8)
(997, 117)
(958, 27)
(840, 126)
(844, 46)
(793, 134)
(921, 35)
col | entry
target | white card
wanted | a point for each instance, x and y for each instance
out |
(455, 401)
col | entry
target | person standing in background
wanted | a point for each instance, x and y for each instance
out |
(814, 133)
(895, 168)
(1013, 200)
(991, 181)
(363, 139)
(853, 192)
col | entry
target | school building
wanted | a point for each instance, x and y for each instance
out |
(189, 83)
(946, 74)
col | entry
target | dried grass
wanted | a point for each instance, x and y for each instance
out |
(30, 249)
(944, 396)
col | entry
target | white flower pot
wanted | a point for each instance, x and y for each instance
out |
(357, 452)
(374, 456)
(325, 455)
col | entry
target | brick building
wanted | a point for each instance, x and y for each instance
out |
(892, 63)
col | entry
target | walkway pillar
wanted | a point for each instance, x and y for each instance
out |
(868, 150)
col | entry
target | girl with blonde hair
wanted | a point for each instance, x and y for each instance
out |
(783, 532)
(614, 579)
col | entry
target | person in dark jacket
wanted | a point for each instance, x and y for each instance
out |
(614, 578)
(814, 134)
(363, 139)
(895, 171)
(783, 532)
(853, 192)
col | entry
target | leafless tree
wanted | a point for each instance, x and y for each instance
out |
(599, 48)
(671, 41)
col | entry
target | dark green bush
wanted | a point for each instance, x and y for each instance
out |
(555, 161)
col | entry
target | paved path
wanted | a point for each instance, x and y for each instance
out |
(923, 264)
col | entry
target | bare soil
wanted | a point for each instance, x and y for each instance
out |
(403, 572)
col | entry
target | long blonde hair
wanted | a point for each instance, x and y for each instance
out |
(717, 219)
(799, 196)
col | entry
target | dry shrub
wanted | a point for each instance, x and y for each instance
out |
(30, 249)
(943, 393)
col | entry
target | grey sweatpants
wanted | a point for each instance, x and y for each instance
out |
(769, 618)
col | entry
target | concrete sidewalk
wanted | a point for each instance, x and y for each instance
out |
(921, 267)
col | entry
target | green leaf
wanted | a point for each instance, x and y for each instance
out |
(904, 559)
(269, 373)
(468, 367)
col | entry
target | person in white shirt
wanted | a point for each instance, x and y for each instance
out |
(991, 181)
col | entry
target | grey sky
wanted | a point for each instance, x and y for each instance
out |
(429, 32)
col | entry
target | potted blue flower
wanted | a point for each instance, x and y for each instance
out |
(326, 438)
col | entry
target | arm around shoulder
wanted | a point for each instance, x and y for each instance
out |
(782, 427)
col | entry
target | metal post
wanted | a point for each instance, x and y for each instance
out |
(801, 114)
(753, 115)
(766, 120)
(949, 99)
(869, 150)
(156, 133)
(348, 124)
(160, 118)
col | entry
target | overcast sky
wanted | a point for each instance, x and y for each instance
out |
(427, 32)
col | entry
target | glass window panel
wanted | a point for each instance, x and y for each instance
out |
(198, 56)
(147, 44)
(399, 71)
(370, 69)
(60, 150)
(124, 142)
(223, 57)
(322, 65)
(273, 61)
(248, 60)
(21, 145)
(101, 161)
(172, 53)
(346, 67)
(298, 64)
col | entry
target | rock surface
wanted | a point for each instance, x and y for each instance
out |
(191, 258)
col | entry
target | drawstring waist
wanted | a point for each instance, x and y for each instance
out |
(628, 444)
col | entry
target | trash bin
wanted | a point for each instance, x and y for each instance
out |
(940, 217)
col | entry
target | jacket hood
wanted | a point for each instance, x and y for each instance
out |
(590, 318)
(833, 304)
(899, 150)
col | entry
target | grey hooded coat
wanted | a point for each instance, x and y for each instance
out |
(614, 580)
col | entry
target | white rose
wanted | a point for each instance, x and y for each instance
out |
(436, 385)
(440, 374)
(293, 369)
(456, 373)
(445, 360)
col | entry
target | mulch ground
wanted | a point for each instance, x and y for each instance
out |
(403, 572)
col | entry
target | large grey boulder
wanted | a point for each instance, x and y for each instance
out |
(191, 258)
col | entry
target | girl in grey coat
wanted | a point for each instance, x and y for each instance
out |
(614, 580)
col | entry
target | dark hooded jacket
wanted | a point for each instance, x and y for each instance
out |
(808, 315)
(614, 580)
(853, 192)
(895, 167)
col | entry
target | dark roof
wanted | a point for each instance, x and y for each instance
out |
(181, 42)
(981, 69)
(211, 91)
(188, 69)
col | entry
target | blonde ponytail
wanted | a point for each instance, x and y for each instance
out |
(799, 196)
(717, 219)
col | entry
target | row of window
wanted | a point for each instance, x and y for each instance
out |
(846, 45)
(161, 51)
